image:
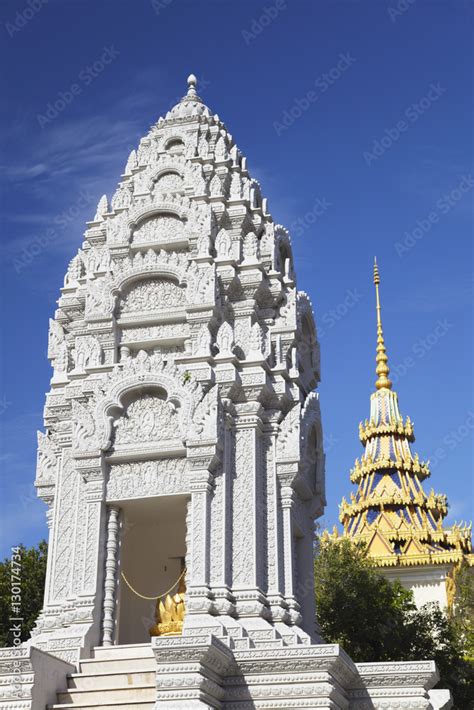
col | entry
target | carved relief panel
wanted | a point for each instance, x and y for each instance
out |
(149, 418)
(151, 295)
(159, 228)
(169, 182)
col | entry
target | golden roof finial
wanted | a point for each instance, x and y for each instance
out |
(381, 359)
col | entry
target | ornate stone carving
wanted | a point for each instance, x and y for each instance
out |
(220, 149)
(144, 370)
(173, 264)
(201, 285)
(202, 342)
(243, 521)
(157, 332)
(74, 272)
(117, 232)
(235, 187)
(199, 181)
(122, 198)
(143, 479)
(289, 435)
(149, 418)
(151, 295)
(87, 352)
(84, 427)
(250, 247)
(102, 208)
(131, 162)
(215, 186)
(96, 260)
(64, 540)
(169, 182)
(47, 461)
(223, 244)
(61, 359)
(55, 338)
(225, 339)
(99, 301)
(256, 342)
(205, 418)
(159, 228)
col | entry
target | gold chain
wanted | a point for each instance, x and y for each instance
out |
(159, 596)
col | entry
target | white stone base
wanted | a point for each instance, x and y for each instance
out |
(30, 678)
(203, 673)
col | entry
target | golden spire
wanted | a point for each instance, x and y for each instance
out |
(400, 524)
(381, 359)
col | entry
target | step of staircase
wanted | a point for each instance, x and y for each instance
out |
(134, 650)
(115, 677)
(145, 705)
(94, 666)
(108, 695)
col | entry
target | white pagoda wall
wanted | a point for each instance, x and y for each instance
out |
(427, 582)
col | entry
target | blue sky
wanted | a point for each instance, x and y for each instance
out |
(355, 117)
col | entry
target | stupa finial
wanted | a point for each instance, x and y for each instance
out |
(381, 359)
(192, 82)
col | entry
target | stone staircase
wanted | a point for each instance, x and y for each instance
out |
(114, 678)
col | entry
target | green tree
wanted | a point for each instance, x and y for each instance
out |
(462, 614)
(376, 620)
(27, 571)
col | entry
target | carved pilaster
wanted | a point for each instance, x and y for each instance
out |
(221, 528)
(94, 495)
(199, 558)
(249, 512)
(275, 535)
(286, 475)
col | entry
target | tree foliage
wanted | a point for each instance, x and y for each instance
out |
(462, 615)
(26, 573)
(376, 620)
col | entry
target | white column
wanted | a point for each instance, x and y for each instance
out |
(110, 584)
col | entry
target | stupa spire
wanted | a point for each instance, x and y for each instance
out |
(381, 359)
(400, 523)
(191, 94)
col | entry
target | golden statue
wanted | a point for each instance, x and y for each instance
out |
(170, 611)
